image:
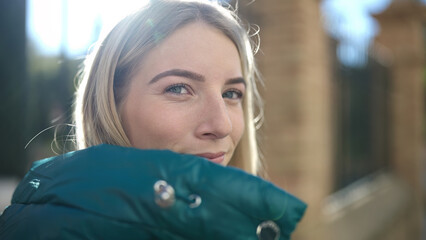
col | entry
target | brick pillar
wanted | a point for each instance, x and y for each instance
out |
(402, 33)
(294, 61)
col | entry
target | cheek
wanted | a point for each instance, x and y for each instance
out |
(157, 127)
(238, 126)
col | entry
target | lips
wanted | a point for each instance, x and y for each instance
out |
(213, 157)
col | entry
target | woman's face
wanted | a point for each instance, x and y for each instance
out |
(187, 96)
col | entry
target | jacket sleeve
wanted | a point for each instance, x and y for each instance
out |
(107, 191)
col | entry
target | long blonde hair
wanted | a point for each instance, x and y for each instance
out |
(109, 67)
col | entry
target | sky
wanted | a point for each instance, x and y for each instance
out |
(84, 21)
(349, 21)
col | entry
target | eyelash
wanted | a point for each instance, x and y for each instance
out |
(180, 85)
(236, 91)
(189, 90)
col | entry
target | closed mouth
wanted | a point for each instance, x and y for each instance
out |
(213, 157)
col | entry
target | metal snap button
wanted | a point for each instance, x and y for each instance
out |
(164, 194)
(195, 200)
(268, 230)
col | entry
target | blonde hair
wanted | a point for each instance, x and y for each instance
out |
(109, 67)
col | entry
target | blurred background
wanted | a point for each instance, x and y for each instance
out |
(344, 102)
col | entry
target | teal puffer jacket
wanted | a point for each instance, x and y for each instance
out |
(107, 192)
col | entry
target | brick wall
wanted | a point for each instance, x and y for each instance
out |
(294, 61)
(298, 133)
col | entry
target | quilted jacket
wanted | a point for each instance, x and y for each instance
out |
(112, 192)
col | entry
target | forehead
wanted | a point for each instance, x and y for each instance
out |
(194, 45)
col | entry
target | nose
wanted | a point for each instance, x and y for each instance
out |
(215, 121)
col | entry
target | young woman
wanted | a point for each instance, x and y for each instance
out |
(165, 103)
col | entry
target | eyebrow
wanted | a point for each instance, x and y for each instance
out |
(236, 81)
(179, 73)
(193, 76)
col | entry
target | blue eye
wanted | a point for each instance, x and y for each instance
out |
(178, 89)
(232, 94)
